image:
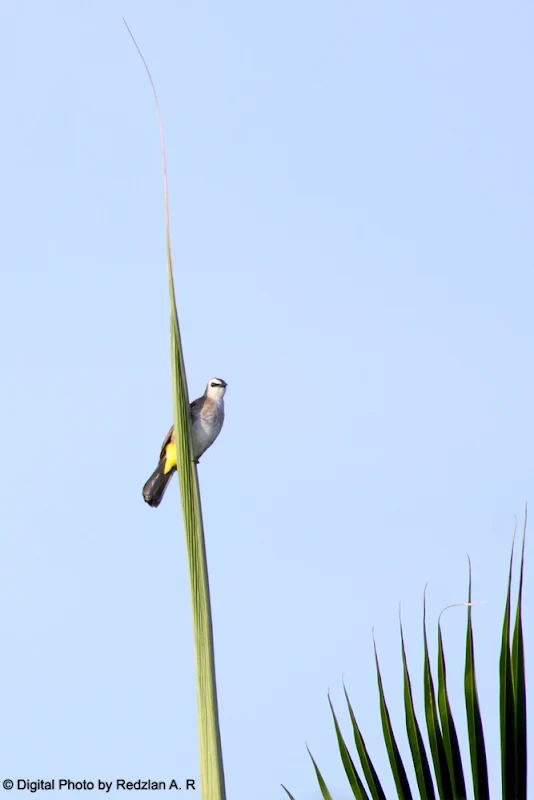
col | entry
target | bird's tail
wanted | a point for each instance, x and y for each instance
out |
(155, 487)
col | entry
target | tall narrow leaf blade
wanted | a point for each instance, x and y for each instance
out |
(395, 760)
(375, 787)
(287, 792)
(439, 758)
(417, 746)
(518, 675)
(507, 703)
(358, 789)
(322, 785)
(477, 748)
(450, 737)
(211, 762)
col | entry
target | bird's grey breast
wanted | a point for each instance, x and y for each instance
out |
(207, 424)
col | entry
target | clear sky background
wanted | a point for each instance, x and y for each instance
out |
(352, 205)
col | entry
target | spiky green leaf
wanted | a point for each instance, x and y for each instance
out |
(287, 792)
(351, 772)
(477, 747)
(395, 760)
(448, 728)
(375, 787)
(439, 758)
(211, 762)
(518, 676)
(322, 785)
(507, 701)
(415, 739)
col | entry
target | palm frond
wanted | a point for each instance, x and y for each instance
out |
(210, 748)
(449, 769)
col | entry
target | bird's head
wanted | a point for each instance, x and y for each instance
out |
(216, 388)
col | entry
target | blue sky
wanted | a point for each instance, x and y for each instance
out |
(352, 204)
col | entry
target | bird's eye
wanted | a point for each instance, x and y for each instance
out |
(213, 384)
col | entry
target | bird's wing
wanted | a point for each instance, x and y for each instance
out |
(166, 441)
(196, 405)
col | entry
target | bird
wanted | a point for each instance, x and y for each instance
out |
(207, 417)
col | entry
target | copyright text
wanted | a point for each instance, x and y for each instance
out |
(119, 784)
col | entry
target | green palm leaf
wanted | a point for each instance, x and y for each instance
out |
(439, 757)
(287, 792)
(477, 747)
(322, 785)
(450, 737)
(417, 747)
(369, 771)
(518, 677)
(395, 760)
(211, 762)
(507, 705)
(444, 745)
(513, 695)
(354, 779)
